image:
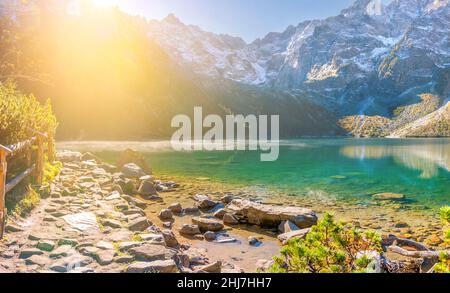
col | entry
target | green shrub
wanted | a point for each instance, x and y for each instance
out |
(330, 247)
(29, 201)
(21, 115)
(444, 261)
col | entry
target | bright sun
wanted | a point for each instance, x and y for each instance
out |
(107, 2)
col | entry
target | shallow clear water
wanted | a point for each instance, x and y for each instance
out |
(342, 168)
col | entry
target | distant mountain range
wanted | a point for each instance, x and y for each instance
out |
(372, 70)
(352, 73)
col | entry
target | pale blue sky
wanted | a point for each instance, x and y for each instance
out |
(248, 19)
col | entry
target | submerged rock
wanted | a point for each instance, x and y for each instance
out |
(270, 215)
(388, 196)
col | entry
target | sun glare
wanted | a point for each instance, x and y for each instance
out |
(107, 2)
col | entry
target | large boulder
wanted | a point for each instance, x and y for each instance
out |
(270, 215)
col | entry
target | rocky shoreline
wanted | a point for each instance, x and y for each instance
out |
(87, 223)
(96, 218)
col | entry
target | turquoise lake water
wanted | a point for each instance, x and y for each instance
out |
(342, 168)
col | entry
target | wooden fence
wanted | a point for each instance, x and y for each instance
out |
(35, 166)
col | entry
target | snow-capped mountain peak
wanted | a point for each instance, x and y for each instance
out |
(357, 61)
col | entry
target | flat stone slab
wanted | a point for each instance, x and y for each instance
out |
(285, 237)
(151, 252)
(388, 196)
(208, 224)
(82, 222)
(270, 215)
(159, 266)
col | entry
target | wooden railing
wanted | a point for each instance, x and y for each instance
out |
(35, 167)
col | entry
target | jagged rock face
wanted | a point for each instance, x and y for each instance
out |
(433, 125)
(369, 59)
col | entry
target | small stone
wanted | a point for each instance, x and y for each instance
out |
(176, 208)
(168, 225)
(111, 223)
(191, 210)
(263, 265)
(230, 220)
(147, 188)
(215, 267)
(153, 238)
(253, 241)
(28, 252)
(70, 263)
(132, 170)
(206, 204)
(220, 213)
(170, 239)
(210, 236)
(64, 250)
(166, 214)
(207, 224)
(433, 240)
(151, 252)
(201, 197)
(284, 238)
(190, 230)
(287, 226)
(105, 257)
(139, 225)
(46, 245)
(37, 260)
(159, 266)
(113, 196)
(105, 245)
(124, 246)
(49, 219)
(227, 199)
(401, 225)
(11, 228)
(124, 259)
(227, 240)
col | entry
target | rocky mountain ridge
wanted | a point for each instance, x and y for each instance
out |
(369, 60)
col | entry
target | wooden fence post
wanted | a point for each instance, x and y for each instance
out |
(40, 159)
(51, 148)
(4, 151)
